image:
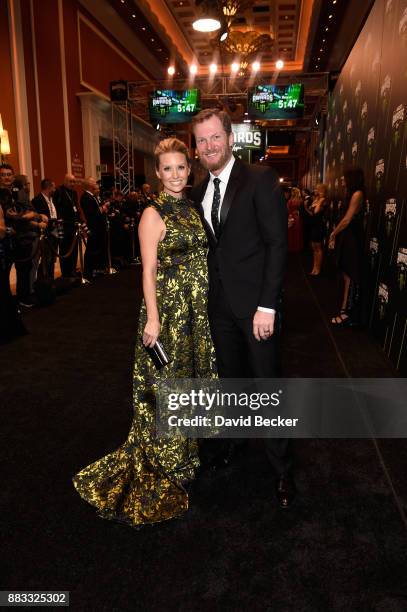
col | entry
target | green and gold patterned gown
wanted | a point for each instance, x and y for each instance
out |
(143, 481)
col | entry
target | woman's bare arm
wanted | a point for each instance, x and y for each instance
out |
(353, 208)
(151, 231)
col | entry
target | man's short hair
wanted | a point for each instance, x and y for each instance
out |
(46, 183)
(7, 167)
(207, 113)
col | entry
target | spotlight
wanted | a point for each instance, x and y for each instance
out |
(256, 66)
(281, 180)
(171, 70)
(213, 68)
(235, 67)
(279, 64)
(193, 69)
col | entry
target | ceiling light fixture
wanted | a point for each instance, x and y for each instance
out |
(279, 64)
(213, 68)
(224, 34)
(206, 25)
(256, 66)
(193, 69)
(235, 67)
(171, 70)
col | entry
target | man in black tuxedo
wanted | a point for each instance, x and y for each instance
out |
(66, 202)
(245, 217)
(95, 215)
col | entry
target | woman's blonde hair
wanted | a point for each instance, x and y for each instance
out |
(295, 193)
(322, 187)
(170, 145)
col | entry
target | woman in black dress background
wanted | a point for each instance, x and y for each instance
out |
(317, 227)
(347, 238)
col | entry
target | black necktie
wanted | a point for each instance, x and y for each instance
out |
(215, 208)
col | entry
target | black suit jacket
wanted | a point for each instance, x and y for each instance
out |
(66, 203)
(40, 205)
(94, 218)
(249, 258)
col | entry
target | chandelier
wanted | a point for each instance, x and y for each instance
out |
(246, 45)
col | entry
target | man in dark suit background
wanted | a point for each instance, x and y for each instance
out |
(44, 205)
(245, 217)
(66, 202)
(94, 212)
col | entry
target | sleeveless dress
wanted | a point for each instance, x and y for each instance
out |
(144, 480)
(295, 242)
(349, 246)
(317, 226)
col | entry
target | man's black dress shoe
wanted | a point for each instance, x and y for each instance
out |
(285, 490)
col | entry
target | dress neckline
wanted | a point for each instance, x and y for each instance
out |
(166, 198)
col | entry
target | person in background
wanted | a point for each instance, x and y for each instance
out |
(347, 239)
(317, 227)
(305, 217)
(66, 203)
(11, 325)
(44, 204)
(26, 223)
(294, 204)
(94, 213)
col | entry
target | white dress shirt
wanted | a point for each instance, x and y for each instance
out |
(51, 207)
(208, 199)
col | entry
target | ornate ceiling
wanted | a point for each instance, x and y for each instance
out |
(313, 37)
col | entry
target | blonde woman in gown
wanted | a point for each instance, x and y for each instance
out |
(144, 480)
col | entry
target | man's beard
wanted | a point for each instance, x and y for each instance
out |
(220, 163)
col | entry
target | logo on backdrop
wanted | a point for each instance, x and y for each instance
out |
(342, 158)
(340, 92)
(349, 128)
(363, 112)
(403, 25)
(385, 90)
(390, 213)
(383, 299)
(366, 214)
(345, 108)
(389, 6)
(370, 141)
(374, 252)
(354, 150)
(402, 268)
(379, 174)
(339, 138)
(376, 62)
(399, 116)
(358, 89)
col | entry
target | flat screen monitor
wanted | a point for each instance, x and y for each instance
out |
(276, 101)
(170, 106)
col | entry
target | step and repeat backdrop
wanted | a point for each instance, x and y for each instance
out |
(367, 127)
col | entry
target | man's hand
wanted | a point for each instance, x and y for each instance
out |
(263, 325)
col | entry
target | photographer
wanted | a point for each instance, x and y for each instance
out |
(25, 222)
